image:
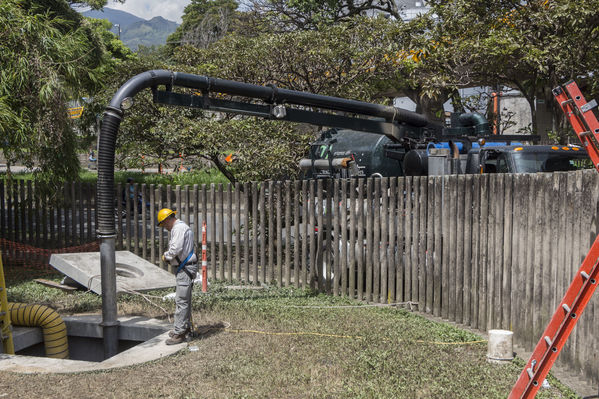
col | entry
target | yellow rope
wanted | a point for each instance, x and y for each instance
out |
(238, 331)
(292, 333)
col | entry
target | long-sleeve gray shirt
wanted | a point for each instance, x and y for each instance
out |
(180, 244)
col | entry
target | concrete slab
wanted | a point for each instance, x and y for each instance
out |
(132, 272)
(152, 349)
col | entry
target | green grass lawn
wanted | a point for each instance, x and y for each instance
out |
(285, 343)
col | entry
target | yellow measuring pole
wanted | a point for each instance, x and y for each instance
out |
(5, 331)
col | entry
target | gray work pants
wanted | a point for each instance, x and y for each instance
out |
(183, 299)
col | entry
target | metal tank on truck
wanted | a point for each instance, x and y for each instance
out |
(465, 147)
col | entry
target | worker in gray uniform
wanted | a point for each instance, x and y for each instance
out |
(181, 254)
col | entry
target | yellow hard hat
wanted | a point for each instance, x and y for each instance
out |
(163, 214)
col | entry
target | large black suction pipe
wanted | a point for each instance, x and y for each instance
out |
(105, 188)
(107, 142)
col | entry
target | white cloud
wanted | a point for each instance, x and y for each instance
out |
(148, 9)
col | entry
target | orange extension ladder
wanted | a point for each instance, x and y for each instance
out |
(583, 120)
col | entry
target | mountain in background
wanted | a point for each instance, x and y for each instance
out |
(148, 33)
(135, 31)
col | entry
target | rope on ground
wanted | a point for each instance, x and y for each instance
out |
(227, 328)
(146, 297)
(370, 305)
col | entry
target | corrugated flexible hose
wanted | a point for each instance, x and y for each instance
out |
(53, 327)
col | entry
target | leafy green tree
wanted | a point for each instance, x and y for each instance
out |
(531, 46)
(341, 60)
(290, 15)
(49, 55)
(204, 22)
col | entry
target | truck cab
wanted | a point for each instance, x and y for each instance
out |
(527, 159)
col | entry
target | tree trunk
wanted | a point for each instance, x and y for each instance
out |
(219, 165)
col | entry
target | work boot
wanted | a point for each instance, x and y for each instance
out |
(171, 333)
(176, 339)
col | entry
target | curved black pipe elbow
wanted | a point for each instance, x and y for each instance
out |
(476, 120)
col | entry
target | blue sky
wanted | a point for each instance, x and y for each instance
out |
(148, 9)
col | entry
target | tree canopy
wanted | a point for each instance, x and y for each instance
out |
(53, 57)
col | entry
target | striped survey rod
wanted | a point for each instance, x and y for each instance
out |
(204, 259)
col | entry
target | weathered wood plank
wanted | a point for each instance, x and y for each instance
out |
(87, 195)
(312, 209)
(344, 237)
(422, 242)
(482, 277)
(144, 224)
(384, 240)
(196, 225)
(518, 254)
(271, 235)
(279, 235)
(335, 239)
(376, 240)
(438, 244)
(408, 238)
(351, 291)
(460, 243)
(400, 269)
(320, 241)
(369, 237)
(361, 255)
(221, 231)
(328, 239)
(288, 222)
(468, 233)
(297, 260)
(393, 251)
(238, 231)
(415, 248)
(255, 241)
(230, 246)
(246, 231)
(498, 249)
(453, 245)
(430, 245)
(305, 232)
(528, 304)
(154, 193)
(160, 199)
(29, 211)
(73, 197)
(135, 226)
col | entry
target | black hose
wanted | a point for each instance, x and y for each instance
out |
(106, 151)
(478, 121)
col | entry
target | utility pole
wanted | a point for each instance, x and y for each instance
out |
(119, 30)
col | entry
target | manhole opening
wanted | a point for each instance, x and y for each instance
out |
(84, 340)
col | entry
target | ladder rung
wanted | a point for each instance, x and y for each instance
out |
(584, 275)
(530, 373)
(584, 134)
(566, 307)
(548, 340)
(568, 101)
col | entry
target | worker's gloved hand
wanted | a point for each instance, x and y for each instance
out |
(164, 259)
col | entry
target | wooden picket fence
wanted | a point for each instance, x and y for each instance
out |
(486, 251)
